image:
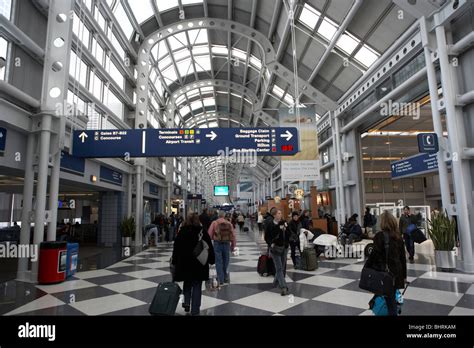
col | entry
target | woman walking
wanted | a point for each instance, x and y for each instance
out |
(279, 238)
(187, 267)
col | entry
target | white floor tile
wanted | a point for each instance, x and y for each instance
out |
(470, 291)
(367, 313)
(130, 285)
(457, 277)
(135, 258)
(155, 265)
(250, 263)
(462, 311)
(119, 264)
(320, 270)
(251, 278)
(207, 302)
(270, 301)
(148, 273)
(348, 298)
(420, 267)
(345, 261)
(43, 302)
(66, 286)
(331, 282)
(432, 296)
(160, 259)
(354, 268)
(94, 274)
(106, 304)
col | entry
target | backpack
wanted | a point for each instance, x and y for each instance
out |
(223, 232)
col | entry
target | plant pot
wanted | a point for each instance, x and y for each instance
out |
(446, 260)
(126, 241)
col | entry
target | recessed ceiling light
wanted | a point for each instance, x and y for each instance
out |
(388, 142)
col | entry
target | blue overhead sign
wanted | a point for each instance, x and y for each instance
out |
(111, 176)
(428, 142)
(185, 142)
(3, 139)
(416, 165)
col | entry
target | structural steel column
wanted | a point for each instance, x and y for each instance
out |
(339, 182)
(138, 206)
(438, 127)
(457, 141)
(22, 273)
(129, 194)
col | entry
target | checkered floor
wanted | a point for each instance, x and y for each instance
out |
(127, 288)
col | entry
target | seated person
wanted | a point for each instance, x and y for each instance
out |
(352, 231)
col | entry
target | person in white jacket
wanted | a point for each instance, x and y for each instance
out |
(305, 239)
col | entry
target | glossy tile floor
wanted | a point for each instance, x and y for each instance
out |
(127, 288)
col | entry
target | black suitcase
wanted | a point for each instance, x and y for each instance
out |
(166, 299)
(418, 236)
(309, 261)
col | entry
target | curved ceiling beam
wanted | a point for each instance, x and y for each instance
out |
(236, 28)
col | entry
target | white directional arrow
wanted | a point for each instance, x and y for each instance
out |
(83, 136)
(212, 135)
(287, 135)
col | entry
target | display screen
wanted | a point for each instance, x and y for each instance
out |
(221, 190)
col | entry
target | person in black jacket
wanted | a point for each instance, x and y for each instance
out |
(205, 219)
(294, 230)
(187, 268)
(305, 220)
(397, 263)
(269, 217)
(280, 240)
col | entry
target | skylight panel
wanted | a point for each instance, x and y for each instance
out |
(203, 63)
(184, 110)
(278, 91)
(180, 99)
(196, 105)
(181, 54)
(309, 16)
(169, 75)
(257, 63)
(166, 5)
(198, 36)
(220, 50)
(347, 43)
(212, 124)
(327, 29)
(200, 50)
(165, 62)
(192, 93)
(236, 53)
(142, 9)
(185, 67)
(207, 89)
(209, 102)
(177, 41)
(123, 19)
(366, 56)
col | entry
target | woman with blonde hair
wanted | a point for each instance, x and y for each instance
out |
(397, 263)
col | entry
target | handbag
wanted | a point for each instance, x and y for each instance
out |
(378, 282)
(277, 249)
(201, 250)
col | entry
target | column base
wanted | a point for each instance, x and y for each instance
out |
(465, 267)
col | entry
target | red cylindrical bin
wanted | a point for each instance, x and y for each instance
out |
(52, 262)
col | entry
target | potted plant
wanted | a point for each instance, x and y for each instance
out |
(127, 227)
(441, 230)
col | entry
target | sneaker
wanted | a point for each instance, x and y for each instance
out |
(284, 291)
(412, 260)
(227, 279)
(187, 308)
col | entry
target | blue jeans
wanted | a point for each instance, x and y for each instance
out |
(410, 244)
(222, 252)
(192, 295)
(280, 268)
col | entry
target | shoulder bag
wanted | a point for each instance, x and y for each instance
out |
(378, 282)
(201, 250)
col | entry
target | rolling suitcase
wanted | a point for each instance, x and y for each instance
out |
(166, 299)
(265, 266)
(309, 261)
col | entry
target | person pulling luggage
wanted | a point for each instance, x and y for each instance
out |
(280, 241)
(187, 268)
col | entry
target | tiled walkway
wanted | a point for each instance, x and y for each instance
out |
(127, 288)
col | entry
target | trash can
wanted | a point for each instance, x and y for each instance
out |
(52, 262)
(71, 261)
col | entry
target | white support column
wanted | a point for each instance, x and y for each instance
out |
(339, 177)
(129, 194)
(457, 141)
(22, 273)
(138, 206)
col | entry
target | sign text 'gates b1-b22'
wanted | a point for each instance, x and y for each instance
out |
(184, 142)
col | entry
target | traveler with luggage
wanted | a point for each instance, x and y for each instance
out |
(389, 239)
(222, 234)
(280, 241)
(187, 267)
(267, 223)
(294, 227)
(407, 225)
(241, 222)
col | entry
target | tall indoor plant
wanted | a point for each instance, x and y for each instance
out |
(127, 228)
(441, 230)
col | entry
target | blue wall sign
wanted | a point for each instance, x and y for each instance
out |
(185, 142)
(3, 139)
(428, 142)
(415, 165)
(111, 176)
(74, 165)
